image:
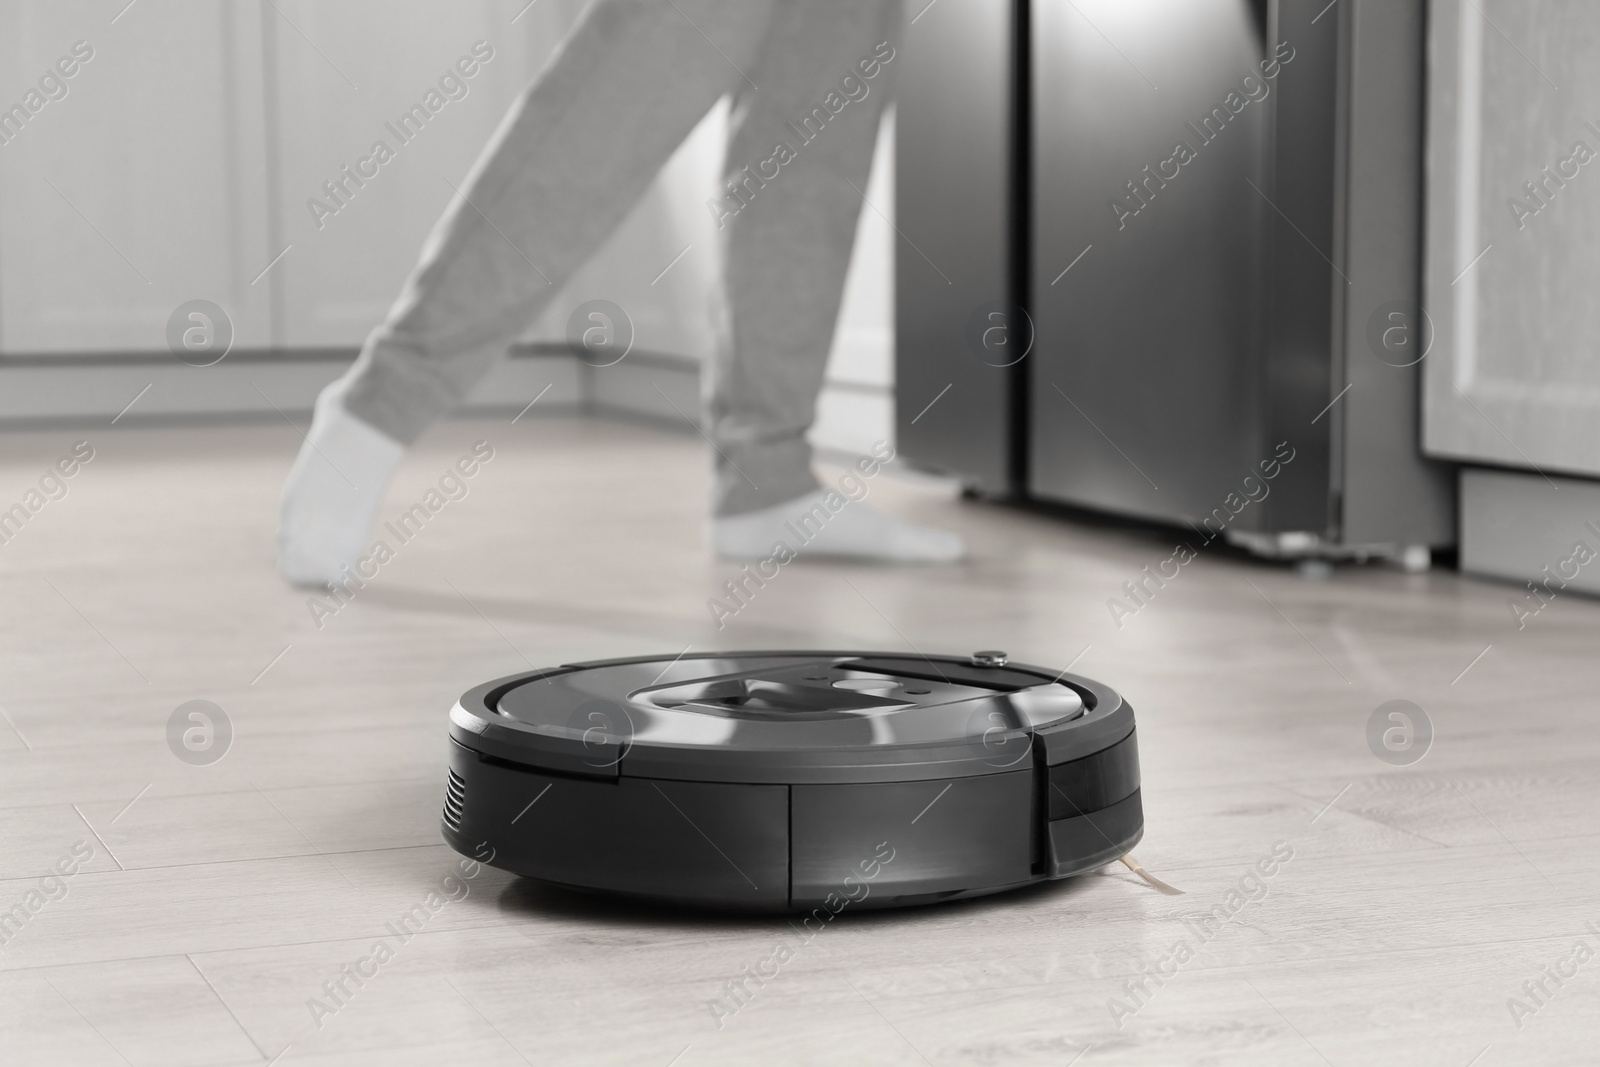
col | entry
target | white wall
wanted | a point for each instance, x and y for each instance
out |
(857, 406)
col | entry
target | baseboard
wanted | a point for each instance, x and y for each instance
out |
(136, 390)
(143, 390)
(1523, 527)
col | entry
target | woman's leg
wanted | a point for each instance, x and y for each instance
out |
(575, 152)
(570, 159)
(800, 149)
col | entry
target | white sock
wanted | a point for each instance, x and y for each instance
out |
(854, 530)
(333, 492)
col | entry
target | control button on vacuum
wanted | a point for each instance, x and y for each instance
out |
(1045, 704)
(990, 658)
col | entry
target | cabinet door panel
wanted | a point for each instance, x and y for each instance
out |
(139, 189)
(339, 76)
(1513, 224)
(1145, 375)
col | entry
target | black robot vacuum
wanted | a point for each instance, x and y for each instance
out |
(788, 781)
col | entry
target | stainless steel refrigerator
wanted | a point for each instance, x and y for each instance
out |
(1150, 248)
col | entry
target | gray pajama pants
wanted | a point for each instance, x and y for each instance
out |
(579, 148)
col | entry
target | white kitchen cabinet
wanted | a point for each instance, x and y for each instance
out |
(1512, 384)
(141, 188)
(187, 152)
(1513, 377)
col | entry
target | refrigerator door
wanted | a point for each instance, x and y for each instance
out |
(954, 261)
(1150, 146)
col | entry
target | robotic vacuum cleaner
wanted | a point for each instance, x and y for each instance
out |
(788, 781)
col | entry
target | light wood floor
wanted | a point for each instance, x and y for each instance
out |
(219, 899)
